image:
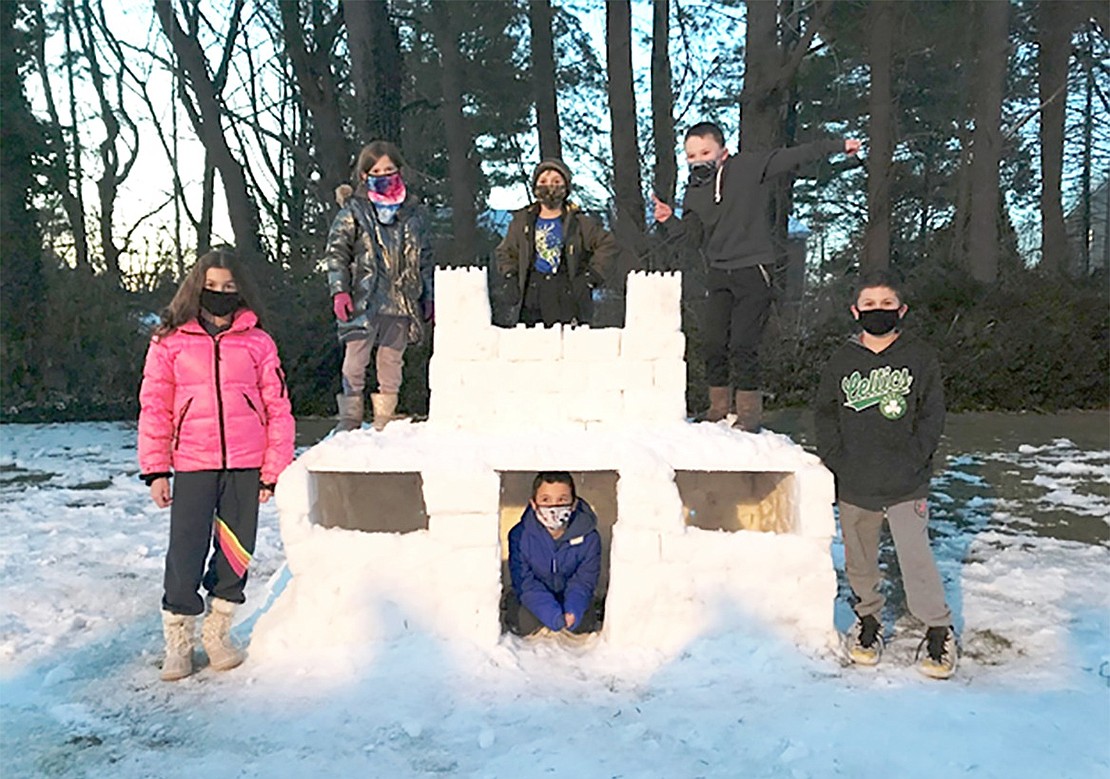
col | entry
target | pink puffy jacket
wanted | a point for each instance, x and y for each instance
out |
(213, 403)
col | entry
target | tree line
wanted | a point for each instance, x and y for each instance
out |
(985, 126)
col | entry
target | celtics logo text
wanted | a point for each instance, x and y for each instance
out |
(884, 387)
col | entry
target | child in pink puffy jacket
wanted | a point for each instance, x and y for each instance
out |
(215, 416)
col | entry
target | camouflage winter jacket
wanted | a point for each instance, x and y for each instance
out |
(386, 268)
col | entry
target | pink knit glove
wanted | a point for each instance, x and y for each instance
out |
(342, 306)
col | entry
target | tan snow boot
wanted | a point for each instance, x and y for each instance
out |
(384, 403)
(351, 409)
(749, 411)
(719, 399)
(215, 634)
(179, 631)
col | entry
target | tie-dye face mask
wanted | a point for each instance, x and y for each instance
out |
(554, 517)
(386, 190)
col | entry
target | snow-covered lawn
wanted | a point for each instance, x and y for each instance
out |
(81, 549)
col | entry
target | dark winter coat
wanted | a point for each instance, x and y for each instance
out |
(387, 269)
(556, 577)
(589, 253)
(731, 226)
(879, 419)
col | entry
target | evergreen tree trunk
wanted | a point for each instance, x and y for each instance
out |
(319, 92)
(760, 117)
(880, 141)
(993, 44)
(459, 140)
(543, 77)
(662, 103)
(630, 210)
(22, 282)
(64, 173)
(242, 210)
(376, 68)
(1054, 38)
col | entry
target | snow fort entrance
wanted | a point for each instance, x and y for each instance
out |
(703, 524)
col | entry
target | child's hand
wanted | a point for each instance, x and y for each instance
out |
(569, 619)
(160, 492)
(851, 146)
(264, 494)
(663, 212)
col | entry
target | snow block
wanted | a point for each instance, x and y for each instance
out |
(653, 303)
(465, 530)
(531, 343)
(466, 344)
(583, 344)
(462, 300)
(460, 491)
(654, 406)
(636, 546)
(812, 496)
(652, 345)
(670, 376)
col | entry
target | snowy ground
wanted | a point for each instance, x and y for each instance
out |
(1021, 532)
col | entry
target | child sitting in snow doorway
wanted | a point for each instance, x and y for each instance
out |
(554, 560)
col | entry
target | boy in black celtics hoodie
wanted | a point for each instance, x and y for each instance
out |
(879, 417)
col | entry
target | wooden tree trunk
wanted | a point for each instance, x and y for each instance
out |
(630, 212)
(317, 87)
(881, 32)
(64, 174)
(662, 103)
(760, 116)
(242, 210)
(459, 141)
(543, 78)
(376, 68)
(1054, 39)
(993, 44)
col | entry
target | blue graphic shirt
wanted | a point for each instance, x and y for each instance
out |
(549, 244)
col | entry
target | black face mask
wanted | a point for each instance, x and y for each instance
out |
(219, 304)
(702, 173)
(551, 195)
(879, 321)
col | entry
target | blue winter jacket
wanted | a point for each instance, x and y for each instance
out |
(556, 577)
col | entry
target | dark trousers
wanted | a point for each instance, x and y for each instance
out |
(213, 520)
(547, 299)
(735, 315)
(520, 620)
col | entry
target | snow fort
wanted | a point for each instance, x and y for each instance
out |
(702, 526)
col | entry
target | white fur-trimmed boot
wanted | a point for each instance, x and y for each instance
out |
(385, 404)
(179, 630)
(215, 634)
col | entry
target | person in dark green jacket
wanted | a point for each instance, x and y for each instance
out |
(552, 257)
(725, 215)
(879, 417)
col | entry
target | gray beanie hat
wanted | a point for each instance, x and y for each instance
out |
(552, 164)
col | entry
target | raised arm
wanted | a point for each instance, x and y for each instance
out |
(784, 160)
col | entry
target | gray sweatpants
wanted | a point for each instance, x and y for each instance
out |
(909, 525)
(391, 335)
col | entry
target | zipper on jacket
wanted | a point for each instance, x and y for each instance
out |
(220, 405)
(253, 408)
(180, 422)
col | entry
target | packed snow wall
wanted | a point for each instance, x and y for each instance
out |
(403, 530)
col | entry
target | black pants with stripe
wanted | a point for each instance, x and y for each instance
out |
(213, 521)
